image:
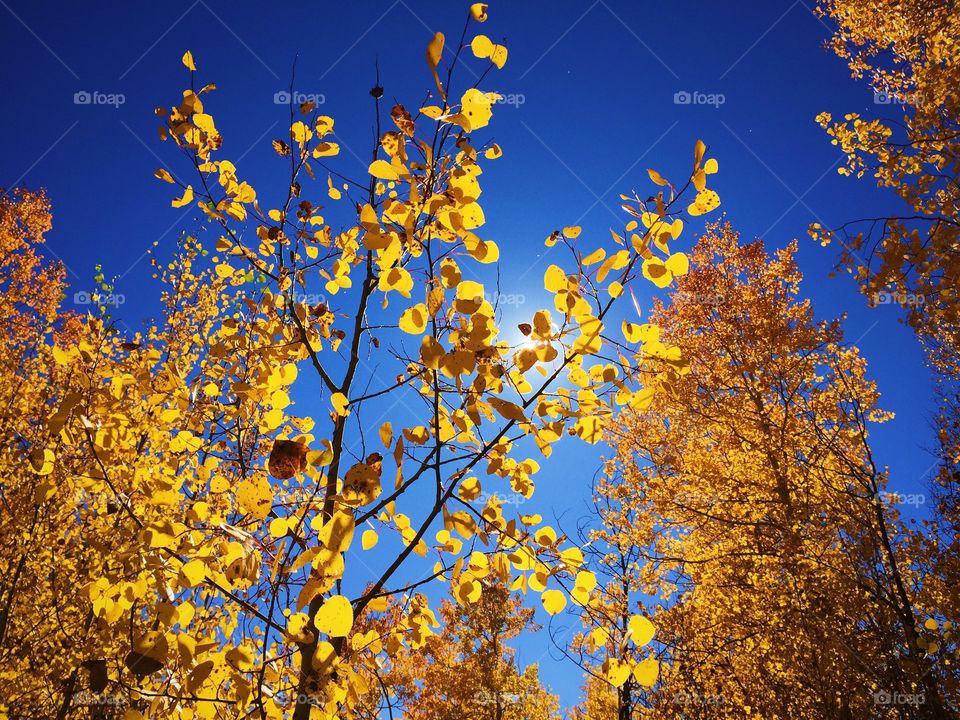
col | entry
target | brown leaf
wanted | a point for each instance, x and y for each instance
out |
(402, 119)
(142, 665)
(98, 674)
(287, 458)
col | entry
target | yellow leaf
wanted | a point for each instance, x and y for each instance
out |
(595, 257)
(599, 636)
(472, 215)
(631, 331)
(646, 672)
(187, 61)
(193, 573)
(469, 590)
(616, 671)
(185, 200)
(383, 170)
(572, 232)
(590, 429)
(278, 527)
(586, 580)
(654, 270)
(677, 264)
(279, 399)
(698, 152)
(326, 149)
(705, 201)
(492, 152)
(641, 630)
(239, 657)
(642, 399)
(553, 601)
(255, 497)
(555, 279)
(414, 320)
(41, 461)
(335, 617)
(508, 410)
(656, 177)
(481, 46)
(476, 109)
(711, 166)
(368, 539)
(478, 11)
(205, 123)
(333, 192)
(163, 175)
(340, 402)
(434, 51)
(386, 434)
(470, 290)
(469, 489)
(499, 56)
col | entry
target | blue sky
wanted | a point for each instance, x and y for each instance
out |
(596, 89)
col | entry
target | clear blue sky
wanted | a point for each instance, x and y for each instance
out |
(597, 80)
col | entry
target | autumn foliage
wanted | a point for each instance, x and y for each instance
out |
(185, 499)
(283, 497)
(908, 53)
(781, 579)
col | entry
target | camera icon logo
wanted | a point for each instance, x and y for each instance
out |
(82, 97)
(882, 697)
(682, 97)
(882, 98)
(281, 97)
(81, 297)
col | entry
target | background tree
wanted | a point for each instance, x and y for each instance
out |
(908, 52)
(613, 647)
(46, 624)
(599, 701)
(468, 669)
(783, 582)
